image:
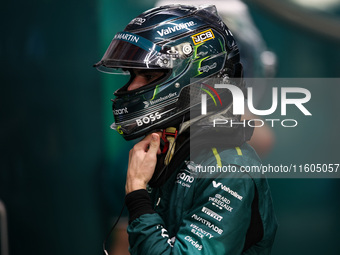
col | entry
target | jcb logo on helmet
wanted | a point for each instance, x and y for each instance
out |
(203, 36)
(147, 119)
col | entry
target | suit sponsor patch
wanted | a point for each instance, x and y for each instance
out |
(207, 223)
(212, 214)
(226, 189)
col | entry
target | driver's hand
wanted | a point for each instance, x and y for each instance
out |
(142, 162)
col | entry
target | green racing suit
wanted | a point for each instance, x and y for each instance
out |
(204, 209)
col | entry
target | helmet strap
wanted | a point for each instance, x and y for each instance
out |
(168, 140)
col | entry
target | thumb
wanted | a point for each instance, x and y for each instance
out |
(154, 144)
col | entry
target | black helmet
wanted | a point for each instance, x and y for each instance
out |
(190, 45)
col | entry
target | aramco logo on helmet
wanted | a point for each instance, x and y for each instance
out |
(239, 102)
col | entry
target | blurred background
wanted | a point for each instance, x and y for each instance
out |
(62, 170)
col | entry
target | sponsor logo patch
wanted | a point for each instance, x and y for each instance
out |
(207, 68)
(207, 223)
(221, 202)
(161, 99)
(148, 119)
(212, 214)
(203, 36)
(193, 242)
(185, 177)
(127, 37)
(120, 111)
(200, 232)
(164, 234)
(227, 189)
(178, 27)
(137, 21)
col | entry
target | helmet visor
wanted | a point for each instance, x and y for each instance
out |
(128, 50)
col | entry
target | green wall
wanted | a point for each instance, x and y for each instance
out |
(51, 127)
(62, 169)
(307, 209)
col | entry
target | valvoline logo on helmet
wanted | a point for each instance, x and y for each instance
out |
(175, 28)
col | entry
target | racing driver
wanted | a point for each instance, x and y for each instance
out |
(186, 191)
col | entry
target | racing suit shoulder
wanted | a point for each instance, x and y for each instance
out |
(240, 156)
(262, 205)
